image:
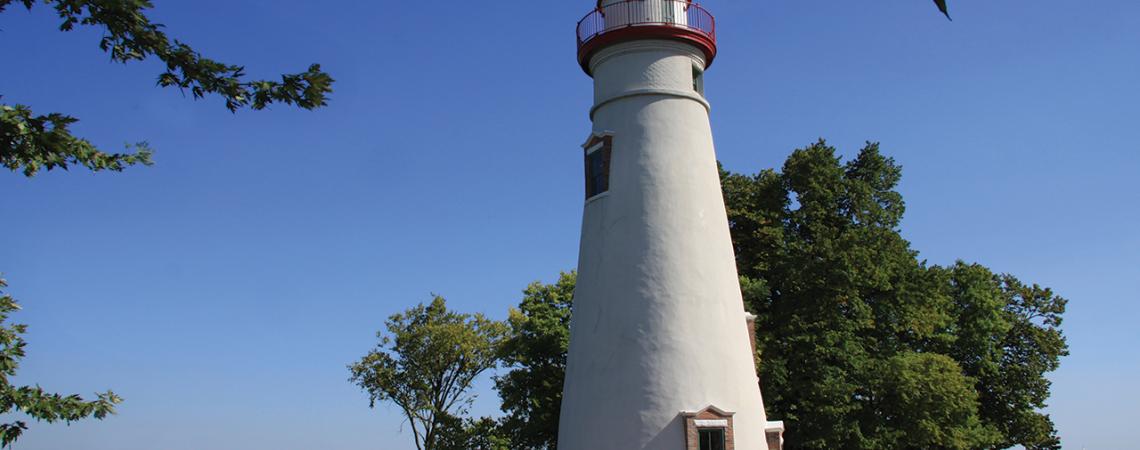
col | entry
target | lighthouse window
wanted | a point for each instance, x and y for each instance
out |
(711, 438)
(598, 168)
(698, 80)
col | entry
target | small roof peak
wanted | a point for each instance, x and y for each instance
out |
(712, 409)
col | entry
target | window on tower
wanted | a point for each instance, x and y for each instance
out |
(711, 438)
(698, 80)
(598, 166)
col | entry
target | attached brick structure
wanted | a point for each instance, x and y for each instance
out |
(750, 319)
(774, 431)
(710, 417)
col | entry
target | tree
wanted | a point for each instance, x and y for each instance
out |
(816, 311)
(918, 394)
(30, 142)
(1008, 338)
(425, 364)
(30, 400)
(484, 433)
(845, 292)
(1032, 347)
(849, 309)
(535, 351)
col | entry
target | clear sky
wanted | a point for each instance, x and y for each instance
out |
(223, 291)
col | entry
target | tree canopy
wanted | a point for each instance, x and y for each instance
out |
(864, 345)
(535, 353)
(425, 364)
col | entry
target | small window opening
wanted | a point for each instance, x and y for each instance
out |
(711, 438)
(598, 168)
(698, 80)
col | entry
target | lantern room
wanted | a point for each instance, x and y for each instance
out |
(615, 21)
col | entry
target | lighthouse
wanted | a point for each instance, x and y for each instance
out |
(661, 355)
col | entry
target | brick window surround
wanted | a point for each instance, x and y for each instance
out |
(710, 417)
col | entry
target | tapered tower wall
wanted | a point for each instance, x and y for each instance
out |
(659, 326)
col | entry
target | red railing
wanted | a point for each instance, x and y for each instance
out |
(647, 13)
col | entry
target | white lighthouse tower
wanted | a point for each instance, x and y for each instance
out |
(660, 350)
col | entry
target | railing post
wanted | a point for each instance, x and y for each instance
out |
(629, 14)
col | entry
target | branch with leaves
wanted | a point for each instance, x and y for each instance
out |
(535, 354)
(33, 401)
(31, 142)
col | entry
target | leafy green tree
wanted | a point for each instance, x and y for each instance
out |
(1031, 348)
(34, 401)
(30, 141)
(425, 364)
(1008, 338)
(484, 433)
(848, 307)
(918, 394)
(535, 351)
(844, 289)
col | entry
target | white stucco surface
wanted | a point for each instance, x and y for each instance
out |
(659, 324)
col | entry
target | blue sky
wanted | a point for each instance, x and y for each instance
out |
(223, 291)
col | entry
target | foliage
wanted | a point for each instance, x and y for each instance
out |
(1008, 337)
(853, 325)
(844, 289)
(942, 7)
(425, 364)
(919, 394)
(34, 401)
(471, 434)
(30, 142)
(536, 353)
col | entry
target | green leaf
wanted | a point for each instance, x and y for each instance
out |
(942, 7)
